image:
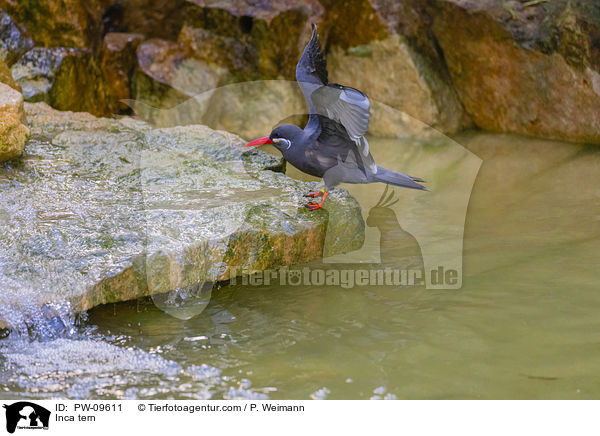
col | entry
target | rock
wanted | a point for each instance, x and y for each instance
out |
(387, 122)
(12, 130)
(151, 18)
(66, 78)
(12, 101)
(382, 64)
(232, 54)
(231, 18)
(526, 67)
(248, 109)
(166, 66)
(166, 63)
(7, 78)
(118, 62)
(253, 109)
(390, 54)
(254, 40)
(170, 72)
(58, 23)
(103, 210)
(12, 135)
(159, 59)
(394, 75)
(530, 68)
(166, 77)
(13, 40)
(264, 10)
(353, 23)
(35, 72)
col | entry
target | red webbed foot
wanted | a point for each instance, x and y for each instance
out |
(314, 206)
(314, 194)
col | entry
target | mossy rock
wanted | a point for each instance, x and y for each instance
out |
(66, 78)
(101, 210)
(13, 40)
(58, 23)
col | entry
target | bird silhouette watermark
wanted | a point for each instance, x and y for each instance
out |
(412, 238)
(408, 241)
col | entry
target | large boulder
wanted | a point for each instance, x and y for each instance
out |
(506, 65)
(118, 63)
(186, 48)
(397, 80)
(223, 43)
(253, 109)
(248, 109)
(13, 40)
(66, 78)
(230, 53)
(531, 68)
(104, 210)
(166, 77)
(59, 23)
(166, 63)
(7, 78)
(390, 54)
(151, 18)
(13, 132)
(271, 34)
(249, 39)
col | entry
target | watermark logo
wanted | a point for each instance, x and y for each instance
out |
(25, 415)
(346, 278)
(409, 238)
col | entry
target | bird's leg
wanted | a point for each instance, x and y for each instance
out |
(315, 193)
(315, 206)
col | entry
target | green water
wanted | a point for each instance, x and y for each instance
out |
(524, 324)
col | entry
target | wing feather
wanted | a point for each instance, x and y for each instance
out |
(346, 105)
(346, 108)
(311, 71)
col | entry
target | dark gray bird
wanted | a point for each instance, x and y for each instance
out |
(333, 144)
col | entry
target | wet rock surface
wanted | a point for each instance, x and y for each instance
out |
(102, 210)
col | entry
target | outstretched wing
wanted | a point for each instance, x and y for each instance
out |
(334, 142)
(347, 106)
(342, 104)
(311, 71)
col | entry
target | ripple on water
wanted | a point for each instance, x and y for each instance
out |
(92, 367)
(321, 394)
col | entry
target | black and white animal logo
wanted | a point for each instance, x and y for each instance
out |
(26, 415)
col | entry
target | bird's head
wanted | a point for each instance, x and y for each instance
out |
(282, 137)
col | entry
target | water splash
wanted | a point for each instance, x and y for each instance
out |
(90, 366)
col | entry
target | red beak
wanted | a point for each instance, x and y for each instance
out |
(259, 141)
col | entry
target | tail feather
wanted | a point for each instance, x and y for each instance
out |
(390, 177)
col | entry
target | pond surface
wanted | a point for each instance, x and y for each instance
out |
(524, 324)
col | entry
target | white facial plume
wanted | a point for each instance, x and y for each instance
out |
(284, 141)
